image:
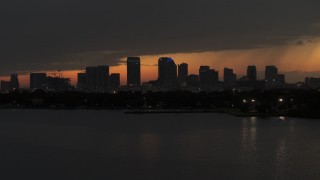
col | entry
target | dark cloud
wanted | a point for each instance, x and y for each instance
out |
(51, 34)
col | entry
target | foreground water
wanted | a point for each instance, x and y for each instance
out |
(83, 144)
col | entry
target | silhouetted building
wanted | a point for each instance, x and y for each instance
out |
(82, 81)
(14, 82)
(114, 81)
(133, 71)
(38, 81)
(281, 79)
(209, 78)
(167, 70)
(273, 79)
(193, 80)
(215, 77)
(204, 74)
(58, 83)
(312, 83)
(183, 72)
(92, 78)
(229, 78)
(97, 77)
(271, 74)
(252, 73)
(5, 86)
(103, 74)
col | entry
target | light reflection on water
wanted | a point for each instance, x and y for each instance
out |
(157, 146)
(248, 137)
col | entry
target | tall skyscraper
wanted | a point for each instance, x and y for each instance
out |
(14, 82)
(230, 79)
(38, 81)
(167, 70)
(183, 72)
(252, 73)
(133, 71)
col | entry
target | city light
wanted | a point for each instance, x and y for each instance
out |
(280, 100)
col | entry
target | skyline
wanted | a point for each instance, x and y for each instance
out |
(149, 68)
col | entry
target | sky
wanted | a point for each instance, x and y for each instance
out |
(47, 35)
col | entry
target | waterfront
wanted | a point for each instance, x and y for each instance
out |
(100, 144)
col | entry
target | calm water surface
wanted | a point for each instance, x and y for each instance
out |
(85, 144)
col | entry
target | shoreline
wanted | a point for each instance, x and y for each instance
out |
(233, 112)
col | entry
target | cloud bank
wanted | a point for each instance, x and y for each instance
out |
(53, 34)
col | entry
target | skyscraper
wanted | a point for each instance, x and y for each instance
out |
(133, 71)
(183, 72)
(229, 78)
(252, 73)
(38, 81)
(167, 70)
(14, 82)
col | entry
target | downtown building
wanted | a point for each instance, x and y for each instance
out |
(252, 73)
(167, 73)
(48, 83)
(38, 81)
(96, 78)
(5, 86)
(183, 73)
(12, 85)
(58, 84)
(312, 83)
(114, 82)
(82, 81)
(133, 71)
(229, 78)
(209, 78)
(273, 79)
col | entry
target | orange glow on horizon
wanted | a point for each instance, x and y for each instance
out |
(304, 58)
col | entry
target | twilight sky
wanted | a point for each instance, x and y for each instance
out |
(46, 35)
